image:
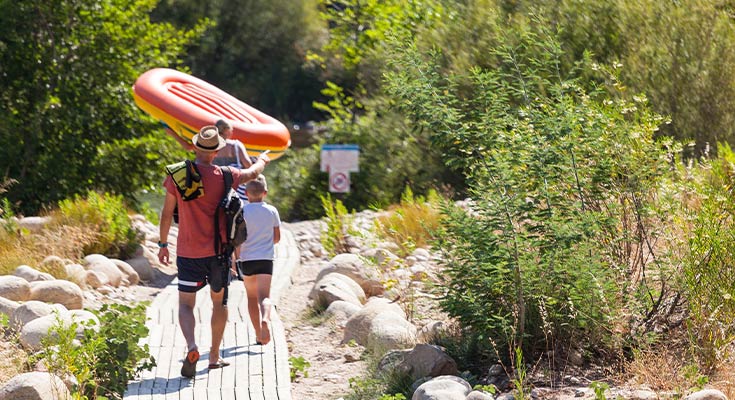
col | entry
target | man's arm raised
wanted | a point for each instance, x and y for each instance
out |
(254, 170)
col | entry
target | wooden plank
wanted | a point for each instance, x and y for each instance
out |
(200, 393)
(241, 393)
(186, 393)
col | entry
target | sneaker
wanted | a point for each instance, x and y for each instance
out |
(190, 363)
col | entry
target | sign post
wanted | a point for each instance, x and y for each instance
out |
(339, 160)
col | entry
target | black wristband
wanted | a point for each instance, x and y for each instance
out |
(162, 244)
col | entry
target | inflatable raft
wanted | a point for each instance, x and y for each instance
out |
(185, 104)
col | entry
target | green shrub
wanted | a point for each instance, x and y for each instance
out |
(107, 358)
(708, 273)
(562, 181)
(107, 216)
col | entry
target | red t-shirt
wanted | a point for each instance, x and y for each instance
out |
(196, 217)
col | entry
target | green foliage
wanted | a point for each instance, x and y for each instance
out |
(519, 378)
(599, 388)
(338, 220)
(255, 50)
(67, 69)
(708, 276)
(298, 367)
(108, 356)
(106, 216)
(555, 171)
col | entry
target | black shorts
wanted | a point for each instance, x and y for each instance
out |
(255, 267)
(195, 273)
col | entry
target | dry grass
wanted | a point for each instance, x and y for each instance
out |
(664, 367)
(24, 248)
(14, 358)
(410, 224)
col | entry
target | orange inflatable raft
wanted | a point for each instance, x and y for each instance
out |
(185, 104)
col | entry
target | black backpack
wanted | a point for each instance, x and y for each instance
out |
(236, 230)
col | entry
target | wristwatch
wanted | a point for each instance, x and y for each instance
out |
(162, 244)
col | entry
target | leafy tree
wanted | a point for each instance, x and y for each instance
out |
(256, 51)
(67, 69)
(555, 172)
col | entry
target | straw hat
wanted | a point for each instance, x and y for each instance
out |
(208, 139)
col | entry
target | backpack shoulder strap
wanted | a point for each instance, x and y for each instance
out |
(227, 176)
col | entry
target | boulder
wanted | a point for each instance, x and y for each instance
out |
(34, 224)
(142, 266)
(359, 325)
(390, 331)
(333, 287)
(707, 394)
(14, 288)
(35, 386)
(31, 274)
(354, 266)
(431, 331)
(8, 307)
(95, 279)
(102, 264)
(341, 311)
(446, 387)
(422, 361)
(478, 395)
(66, 293)
(76, 273)
(31, 310)
(129, 273)
(34, 331)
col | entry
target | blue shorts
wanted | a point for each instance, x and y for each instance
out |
(195, 273)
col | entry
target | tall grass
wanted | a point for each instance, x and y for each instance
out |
(411, 223)
(97, 223)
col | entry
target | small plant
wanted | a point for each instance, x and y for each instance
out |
(338, 220)
(298, 367)
(490, 389)
(519, 381)
(397, 396)
(107, 358)
(599, 388)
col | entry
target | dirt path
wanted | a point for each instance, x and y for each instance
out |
(316, 341)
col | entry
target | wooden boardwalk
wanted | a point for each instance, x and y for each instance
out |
(256, 372)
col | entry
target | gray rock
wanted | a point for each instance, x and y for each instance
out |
(390, 331)
(342, 310)
(29, 311)
(142, 266)
(128, 272)
(34, 331)
(14, 288)
(34, 224)
(424, 360)
(447, 387)
(335, 286)
(359, 325)
(707, 394)
(31, 274)
(35, 386)
(67, 293)
(478, 395)
(102, 264)
(8, 307)
(354, 266)
(95, 279)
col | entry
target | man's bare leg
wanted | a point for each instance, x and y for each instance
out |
(218, 323)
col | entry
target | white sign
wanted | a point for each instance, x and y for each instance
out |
(339, 160)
